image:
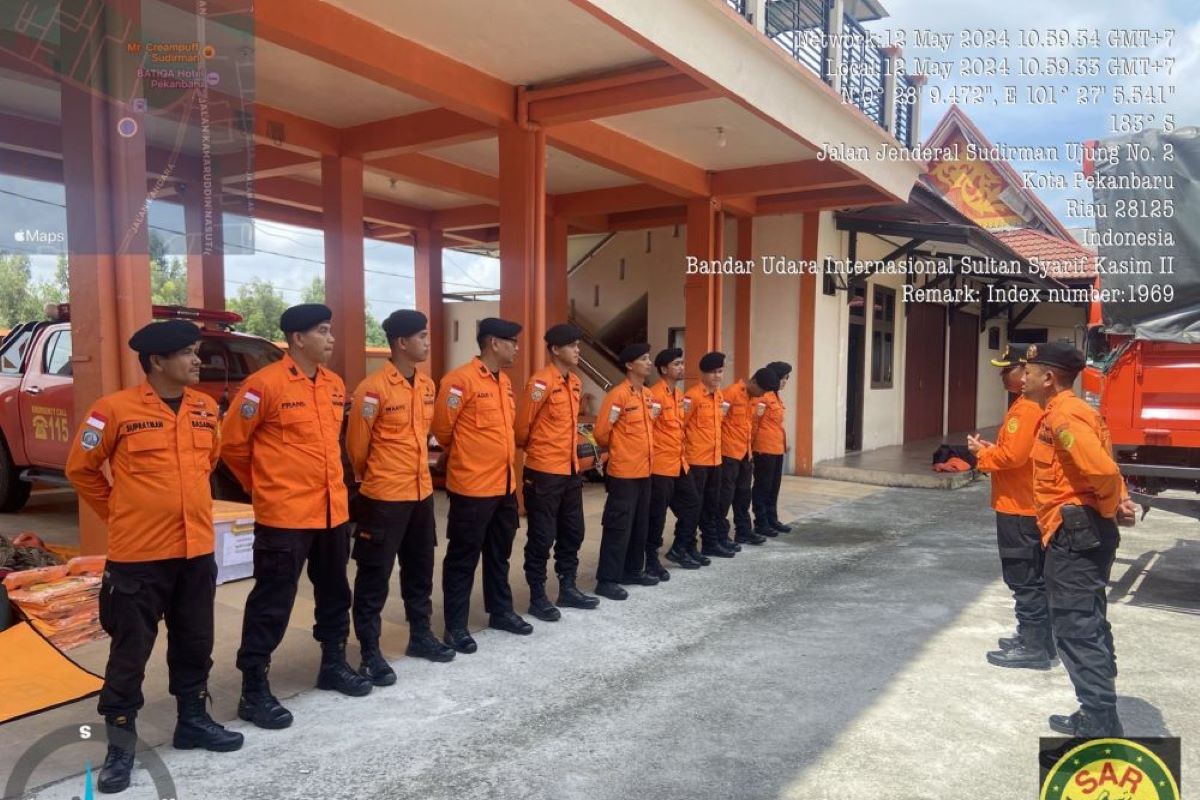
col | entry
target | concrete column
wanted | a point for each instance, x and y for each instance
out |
(833, 30)
(890, 56)
(205, 247)
(802, 370)
(523, 243)
(742, 288)
(556, 301)
(702, 297)
(345, 290)
(427, 267)
(104, 177)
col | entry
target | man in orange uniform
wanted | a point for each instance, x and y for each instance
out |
(625, 427)
(670, 484)
(281, 443)
(1080, 498)
(547, 419)
(160, 442)
(387, 439)
(770, 446)
(736, 436)
(473, 419)
(703, 411)
(1022, 559)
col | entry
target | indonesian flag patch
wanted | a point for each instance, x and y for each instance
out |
(250, 403)
(539, 391)
(761, 409)
(96, 420)
(614, 412)
(370, 405)
(454, 400)
(655, 410)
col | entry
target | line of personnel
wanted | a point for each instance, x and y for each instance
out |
(699, 453)
(1059, 498)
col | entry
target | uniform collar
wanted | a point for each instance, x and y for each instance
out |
(1064, 394)
(150, 397)
(483, 371)
(395, 376)
(296, 374)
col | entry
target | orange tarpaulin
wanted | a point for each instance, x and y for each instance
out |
(35, 677)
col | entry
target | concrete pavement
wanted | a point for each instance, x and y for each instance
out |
(844, 660)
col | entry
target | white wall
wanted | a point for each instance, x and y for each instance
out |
(467, 315)
(830, 352)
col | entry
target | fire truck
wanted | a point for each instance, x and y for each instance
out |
(1143, 350)
(37, 399)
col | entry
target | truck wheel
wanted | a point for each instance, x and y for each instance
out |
(14, 492)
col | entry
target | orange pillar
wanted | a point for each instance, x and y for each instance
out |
(523, 242)
(202, 222)
(427, 267)
(345, 291)
(702, 293)
(556, 301)
(802, 372)
(104, 177)
(741, 284)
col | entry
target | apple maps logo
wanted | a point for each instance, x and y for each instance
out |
(37, 236)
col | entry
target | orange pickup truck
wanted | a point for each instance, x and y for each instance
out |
(37, 402)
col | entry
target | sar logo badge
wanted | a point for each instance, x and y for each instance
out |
(1113, 768)
(454, 400)
(1012, 425)
(93, 428)
(539, 391)
(655, 410)
(250, 403)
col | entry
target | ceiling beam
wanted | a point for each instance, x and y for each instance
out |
(822, 199)
(452, 219)
(606, 147)
(302, 194)
(330, 34)
(794, 176)
(438, 174)
(649, 218)
(624, 92)
(292, 132)
(612, 200)
(422, 130)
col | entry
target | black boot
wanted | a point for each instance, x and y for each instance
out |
(118, 762)
(540, 605)
(749, 537)
(717, 549)
(335, 674)
(638, 579)
(1085, 724)
(1045, 636)
(375, 667)
(423, 644)
(195, 728)
(611, 590)
(1023, 656)
(683, 558)
(569, 595)
(697, 556)
(779, 526)
(766, 531)
(258, 705)
(655, 568)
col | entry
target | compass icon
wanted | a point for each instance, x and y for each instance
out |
(91, 735)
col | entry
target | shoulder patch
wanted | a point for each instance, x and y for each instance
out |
(537, 391)
(655, 409)
(90, 439)
(724, 407)
(370, 405)
(760, 409)
(614, 412)
(1066, 438)
(1013, 424)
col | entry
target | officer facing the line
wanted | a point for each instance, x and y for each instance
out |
(387, 440)
(547, 416)
(473, 419)
(281, 441)
(703, 410)
(770, 446)
(160, 441)
(1080, 499)
(625, 427)
(1021, 556)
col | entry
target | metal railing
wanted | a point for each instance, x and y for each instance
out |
(906, 106)
(863, 70)
(738, 5)
(798, 26)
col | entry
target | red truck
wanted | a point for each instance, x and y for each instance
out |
(37, 401)
(1143, 350)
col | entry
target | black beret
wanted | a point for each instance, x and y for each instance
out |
(767, 379)
(562, 334)
(500, 328)
(164, 338)
(1012, 356)
(405, 322)
(632, 352)
(665, 357)
(304, 317)
(1063, 355)
(780, 368)
(711, 362)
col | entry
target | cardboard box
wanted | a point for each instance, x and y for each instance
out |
(233, 525)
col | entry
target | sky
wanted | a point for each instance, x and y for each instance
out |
(290, 257)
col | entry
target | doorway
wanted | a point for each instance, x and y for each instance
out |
(856, 369)
(964, 372)
(924, 357)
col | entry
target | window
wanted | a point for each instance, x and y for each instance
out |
(883, 337)
(828, 280)
(234, 358)
(58, 355)
(993, 338)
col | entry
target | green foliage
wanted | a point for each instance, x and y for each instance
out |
(21, 298)
(315, 293)
(168, 278)
(260, 305)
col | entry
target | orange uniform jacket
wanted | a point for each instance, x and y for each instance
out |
(666, 409)
(769, 435)
(387, 437)
(547, 417)
(1008, 459)
(702, 414)
(159, 504)
(736, 429)
(473, 420)
(1073, 464)
(280, 439)
(625, 427)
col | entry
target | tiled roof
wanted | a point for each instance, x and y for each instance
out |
(1060, 258)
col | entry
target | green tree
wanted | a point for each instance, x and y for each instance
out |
(22, 298)
(168, 278)
(260, 305)
(315, 293)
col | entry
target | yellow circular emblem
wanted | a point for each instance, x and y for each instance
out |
(1066, 438)
(1012, 425)
(1114, 768)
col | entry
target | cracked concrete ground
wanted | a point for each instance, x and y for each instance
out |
(844, 660)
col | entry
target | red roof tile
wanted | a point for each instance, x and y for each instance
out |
(1060, 258)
